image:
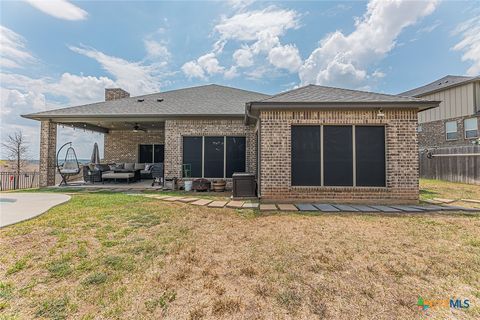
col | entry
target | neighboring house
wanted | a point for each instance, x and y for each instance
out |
(456, 122)
(311, 143)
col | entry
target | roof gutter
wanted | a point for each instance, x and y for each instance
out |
(248, 107)
(420, 105)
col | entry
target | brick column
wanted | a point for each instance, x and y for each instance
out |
(48, 147)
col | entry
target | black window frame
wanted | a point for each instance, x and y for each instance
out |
(152, 145)
(225, 138)
(354, 164)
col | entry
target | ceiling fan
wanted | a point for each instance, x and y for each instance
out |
(137, 128)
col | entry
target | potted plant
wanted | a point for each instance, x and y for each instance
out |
(219, 185)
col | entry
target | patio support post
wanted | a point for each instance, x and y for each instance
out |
(48, 146)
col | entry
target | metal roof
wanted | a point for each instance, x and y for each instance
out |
(321, 94)
(440, 84)
(207, 100)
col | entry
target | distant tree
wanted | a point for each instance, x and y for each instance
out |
(16, 149)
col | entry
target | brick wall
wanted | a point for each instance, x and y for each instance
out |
(48, 147)
(115, 93)
(402, 156)
(433, 133)
(176, 129)
(122, 145)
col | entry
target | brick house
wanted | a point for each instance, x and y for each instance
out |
(310, 143)
(456, 122)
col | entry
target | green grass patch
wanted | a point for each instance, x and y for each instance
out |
(95, 278)
(19, 265)
(54, 309)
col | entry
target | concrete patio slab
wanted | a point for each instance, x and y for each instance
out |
(386, 209)
(201, 202)
(286, 207)
(217, 204)
(306, 207)
(344, 207)
(235, 204)
(268, 207)
(250, 205)
(324, 207)
(17, 207)
(364, 208)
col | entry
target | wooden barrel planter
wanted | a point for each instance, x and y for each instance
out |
(219, 185)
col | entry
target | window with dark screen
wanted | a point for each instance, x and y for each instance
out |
(192, 155)
(306, 156)
(213, 161)
(145, 153)
(235, 155)
(370, 156)
(338, 155)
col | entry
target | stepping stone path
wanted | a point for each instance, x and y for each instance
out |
(407, 208)
(217, 204)
(286, 207)
(186, 200)
(173, 199)
(444, 200)
(307, 207)
(201, 202)
(268, 207)
(235, 204)
(386, 209)
(364, 208)
(326, 207)
(343, 207)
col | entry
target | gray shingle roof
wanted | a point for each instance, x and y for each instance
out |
(196, 101)
(321, 94)
(440, 84)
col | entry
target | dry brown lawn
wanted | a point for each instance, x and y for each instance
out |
(114, 256)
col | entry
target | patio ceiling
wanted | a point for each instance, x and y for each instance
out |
(104, 126)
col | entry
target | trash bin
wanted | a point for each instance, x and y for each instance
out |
(244, 185)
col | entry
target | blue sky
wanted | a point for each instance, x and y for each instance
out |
(58, 53)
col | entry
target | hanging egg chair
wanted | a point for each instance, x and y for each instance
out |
(70, 166)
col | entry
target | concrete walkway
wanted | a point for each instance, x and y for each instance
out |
(16, 207)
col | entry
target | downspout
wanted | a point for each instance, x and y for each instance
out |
(248, 106)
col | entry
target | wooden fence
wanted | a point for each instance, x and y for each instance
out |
(25, 180)
(456, 164)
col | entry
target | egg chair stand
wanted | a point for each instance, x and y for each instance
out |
(70, 166)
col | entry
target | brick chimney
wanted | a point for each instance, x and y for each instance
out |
(115, 93)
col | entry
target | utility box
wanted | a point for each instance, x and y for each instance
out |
(244, 185)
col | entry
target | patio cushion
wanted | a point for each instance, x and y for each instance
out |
(139, 166)
(118, 175)
(129, 166)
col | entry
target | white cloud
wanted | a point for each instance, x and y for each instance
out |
(470, 43)
(246, 26)
(210, 64)
(205, 65)
(135, 77)
(343, 60)
(13, 53)
(156, 49)
(192, 70)
(243, 57)
(60, 9)
(285, 57)
(378, 74)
